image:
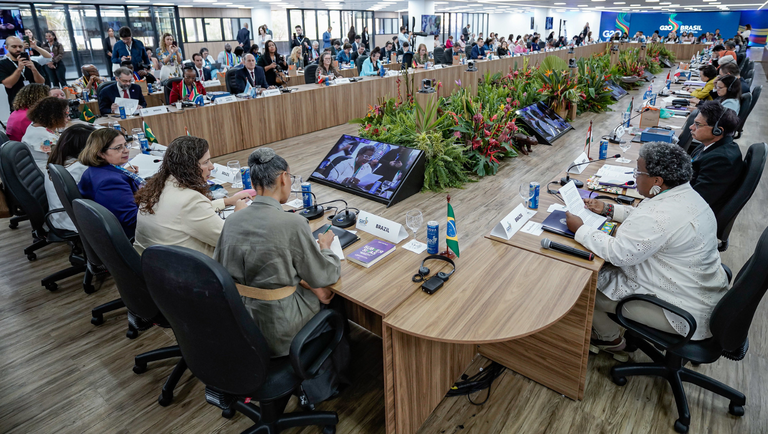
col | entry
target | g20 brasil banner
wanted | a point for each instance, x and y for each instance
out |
(695, 22)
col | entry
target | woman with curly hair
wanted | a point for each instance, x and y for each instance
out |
(175, 206)
(27, 97)
(48, 116)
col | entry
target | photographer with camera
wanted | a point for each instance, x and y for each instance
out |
(170, 57)
(36, 53)
(17, 70)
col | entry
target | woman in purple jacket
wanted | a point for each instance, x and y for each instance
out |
(106, 181)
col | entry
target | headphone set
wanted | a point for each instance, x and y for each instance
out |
(435, 282)
(716, 130)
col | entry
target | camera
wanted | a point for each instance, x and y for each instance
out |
(427, 86)
(471, 66)
(572, 63)
(74, 108)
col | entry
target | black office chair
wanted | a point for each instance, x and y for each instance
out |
(740, 58)
(104, 233)
(3, 137)
(224, 348)
(168, 88)
(745, 66)
(407, 61)
(755, 97)
(104, 87)
(754, 162)
(448, 56)
(729, 325)
(745, 107)
(686, 139)
(24, 180)
(359, 63)
(438, 56)
(230, 81)
(309, 73)
(749, 82)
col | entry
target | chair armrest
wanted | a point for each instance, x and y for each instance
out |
(307, 362)
(650, 333)
(51, 227)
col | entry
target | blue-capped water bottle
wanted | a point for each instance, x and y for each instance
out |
(144, 143)
(245, 175)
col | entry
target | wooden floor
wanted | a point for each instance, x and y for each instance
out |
(60, 374)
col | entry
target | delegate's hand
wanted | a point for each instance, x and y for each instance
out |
(594, 205)
(272, 87)
(695, 101)
(574, 222)
(240, 204)
(50, 65)
(325, 240)
(133, 169)
(232, 200)
(25, 64)
(115, 108)
(325, 295)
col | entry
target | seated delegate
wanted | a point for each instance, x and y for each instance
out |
(351, 171)
(188, 89)
(371, 65)
(27, 97)
(708, 73)
(106, 181)
(728, 91)
(665, 247)
(176, 207)
(48, 116)
(279, 253)
(270, 62)
(201, 72)
(88, 82)
(717, 162)
(325, 69)
(123, 88)
(344, 56)
(251, 74)
(65, 153)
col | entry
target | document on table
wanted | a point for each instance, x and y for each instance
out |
(336, 248)
(146, 164)
(615, 175)
(575, 205)
(130, 105)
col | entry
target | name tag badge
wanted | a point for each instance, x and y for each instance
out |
(26, 82)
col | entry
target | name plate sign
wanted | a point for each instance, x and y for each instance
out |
(381, 227)
(225, 99)
(342, 81)
(512, 223)
(150, 111)
(582, 159)
(271, 92)
(209, 83)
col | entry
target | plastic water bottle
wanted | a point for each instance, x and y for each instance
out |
(625, 118)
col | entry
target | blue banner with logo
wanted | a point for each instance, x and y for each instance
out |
(688, 22)
(610, 22)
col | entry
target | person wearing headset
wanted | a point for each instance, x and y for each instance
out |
(717, 162)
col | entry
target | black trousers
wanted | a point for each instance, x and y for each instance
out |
(57, 76)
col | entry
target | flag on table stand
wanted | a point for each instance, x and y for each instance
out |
(451, 236)
(148, 134)
(187, 130)
(588, 143)
(87, 115)
(669, 80)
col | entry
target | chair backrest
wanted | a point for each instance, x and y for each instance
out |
(439, 55)
(749, 81)
(108, 240)
(407, 60)
(685, 138)
(219, 340)
(25, 182)
(106, 86)
(168, 87)
(230, 81)
(3, 137)
(745, 66)
(67, 191)
(733, 315)
(754, 162)
(448, 56)
(749, 73)
(745, 107)
(740, 58)
(310, 73)
(359, 63)
(755, 96)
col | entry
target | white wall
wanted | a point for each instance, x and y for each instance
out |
(520, 23)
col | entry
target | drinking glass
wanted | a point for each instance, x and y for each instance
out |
(414, 219)
(296, 187)
(234, 169)
(137, 134)
(624, 145)
(525, 193)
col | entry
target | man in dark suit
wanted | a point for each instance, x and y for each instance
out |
(244, 38)
(250, 74)
(123, 88)
(717, 161)
(201, 73)
(360, 52)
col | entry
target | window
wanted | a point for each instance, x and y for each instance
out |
(53, 18)
(280, 26)
(230, 29)
(213, 29)
(165, 18)
(85, 26)
(322, 25)
(386, 26)
(295, 20)
(310, 23)
(338, 30)
(113, 17)
(194, 29)
(141, 26)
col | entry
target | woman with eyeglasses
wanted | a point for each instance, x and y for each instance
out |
(666, 247)
(109, 179)
(176, 207)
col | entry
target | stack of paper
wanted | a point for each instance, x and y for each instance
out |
(148, 165)
(575, 205)
(615, 175)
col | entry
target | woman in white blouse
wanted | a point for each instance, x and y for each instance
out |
(48, 116)
(175, 206)
(68, 147)
(665, 247)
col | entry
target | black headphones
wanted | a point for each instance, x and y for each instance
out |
(435, 282)
(716, 130)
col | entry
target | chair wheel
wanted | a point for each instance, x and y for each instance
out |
(139, 369)
(736, 410)
(132, 334)
(620, 381)
(165, 401)
(679, 427)
(89, 289)
(97, 320)
(51, 286)
(31, 256)
(13, 225)
(228, 413)
(329, 429)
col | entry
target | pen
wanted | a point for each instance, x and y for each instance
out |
(132, 166)
(328, 229)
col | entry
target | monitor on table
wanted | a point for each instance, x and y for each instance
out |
(547, 125)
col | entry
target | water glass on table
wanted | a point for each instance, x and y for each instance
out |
(234, 169)
(414, 219)
(525, 193)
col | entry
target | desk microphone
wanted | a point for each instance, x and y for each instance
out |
(310, 212)
(547, 244)
(617, 140)
(579, 184)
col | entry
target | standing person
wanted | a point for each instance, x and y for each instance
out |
(169, 55)
(109, 42)
(351, 34)
(746, 33)
(402, 37)
(244, 38)
(17, 71)
(365, 38)
(35, 52)
(327, 38)
(129, 49)
(262, 36)
(269, 32)
(56, 70)
(299, 40)
(436, 43)
(585, 30)
(270, 61)
(465, 32)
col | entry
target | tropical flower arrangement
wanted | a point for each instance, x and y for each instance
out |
(593, 73)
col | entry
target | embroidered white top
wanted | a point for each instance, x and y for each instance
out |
(666, 247)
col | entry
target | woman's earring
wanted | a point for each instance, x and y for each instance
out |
(655, 190)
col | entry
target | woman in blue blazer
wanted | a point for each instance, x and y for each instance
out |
(106, 181)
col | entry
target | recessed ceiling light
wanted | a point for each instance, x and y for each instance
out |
(185, 6)
(72, 2)
(137, 1)
(559, 4)
(619, 3)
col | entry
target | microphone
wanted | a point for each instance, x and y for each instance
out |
(310, 212)
(579, 184)
(617, 140)
(547, 244)
(342, 218)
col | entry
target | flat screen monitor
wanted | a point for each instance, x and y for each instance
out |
(617, 92)
(378, 171)
(10, 25)
(544, 122)
(430, 24)
(549, 23)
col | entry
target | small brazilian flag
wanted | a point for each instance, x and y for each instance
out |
(87, 115)
(150, 136)
(451, 236)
